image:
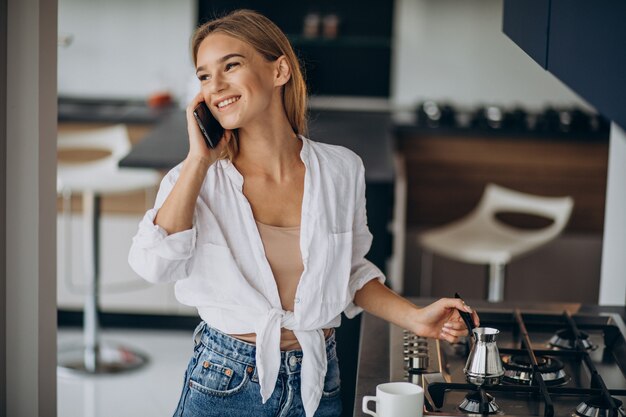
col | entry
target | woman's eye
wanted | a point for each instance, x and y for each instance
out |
(203, 77)
(230, 65)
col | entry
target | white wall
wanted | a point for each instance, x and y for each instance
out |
(455, 50)
(613, 278)
(125, 49)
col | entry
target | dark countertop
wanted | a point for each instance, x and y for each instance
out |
(373, 364)
(99, 110)
(366, 133)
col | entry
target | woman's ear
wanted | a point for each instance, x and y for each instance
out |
(282, 71)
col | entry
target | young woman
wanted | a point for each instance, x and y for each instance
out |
(266, 235)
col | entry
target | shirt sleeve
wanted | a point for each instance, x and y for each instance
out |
(156, 256)
(362, 270)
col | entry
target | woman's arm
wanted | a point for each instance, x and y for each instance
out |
(438, 320)
(176, 214)
(164, 253)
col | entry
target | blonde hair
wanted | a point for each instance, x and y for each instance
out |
(268, 40)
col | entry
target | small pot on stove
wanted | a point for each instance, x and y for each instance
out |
(484, 366)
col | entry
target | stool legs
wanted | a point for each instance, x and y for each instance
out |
(495, 279)
(94, 357)
(91, 230)
(496, 274)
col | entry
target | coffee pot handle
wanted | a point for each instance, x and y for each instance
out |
(366, 410)
(467, 317)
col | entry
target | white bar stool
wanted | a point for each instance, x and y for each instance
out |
(479, 238)
(94, 179)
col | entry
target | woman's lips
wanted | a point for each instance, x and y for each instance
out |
(228, 105)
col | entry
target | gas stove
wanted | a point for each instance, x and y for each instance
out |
(555, 365)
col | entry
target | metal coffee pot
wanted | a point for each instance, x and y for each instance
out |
(484, 366)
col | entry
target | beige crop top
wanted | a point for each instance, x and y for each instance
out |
(282, 249)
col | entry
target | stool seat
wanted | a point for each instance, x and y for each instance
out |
(102, 179)
(479, 238)
(477, 242)
(102, 176)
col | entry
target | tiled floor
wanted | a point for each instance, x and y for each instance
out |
(150, 391)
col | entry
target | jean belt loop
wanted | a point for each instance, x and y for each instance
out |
(197, 333)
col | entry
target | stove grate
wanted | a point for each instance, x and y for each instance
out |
(537, 386)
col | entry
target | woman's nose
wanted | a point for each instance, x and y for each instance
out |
(217, 84)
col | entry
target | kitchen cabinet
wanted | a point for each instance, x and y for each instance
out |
(587, 51)
(582, 44)
(526, 22)
(354, 59)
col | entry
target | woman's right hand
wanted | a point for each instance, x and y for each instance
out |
(197, 145)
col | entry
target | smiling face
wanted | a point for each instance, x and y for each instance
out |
(237, 83)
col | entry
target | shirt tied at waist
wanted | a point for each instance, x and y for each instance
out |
(314, 360)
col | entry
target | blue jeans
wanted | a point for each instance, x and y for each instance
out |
(221, 380)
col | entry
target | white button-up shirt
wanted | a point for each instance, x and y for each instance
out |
(220, 267)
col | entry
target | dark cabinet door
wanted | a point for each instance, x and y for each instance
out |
(526, 23)
(587, 51)
(354, 62)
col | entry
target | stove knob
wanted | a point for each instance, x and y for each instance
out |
(419, 361)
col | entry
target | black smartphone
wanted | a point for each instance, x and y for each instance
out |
(211, 129)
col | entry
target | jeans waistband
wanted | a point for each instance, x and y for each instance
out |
(244, 352)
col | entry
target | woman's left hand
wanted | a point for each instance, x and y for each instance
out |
(441, 320)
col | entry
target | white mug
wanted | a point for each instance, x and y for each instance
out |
(396, 399)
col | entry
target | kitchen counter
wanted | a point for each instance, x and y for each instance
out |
(373, 364)
(92, 110)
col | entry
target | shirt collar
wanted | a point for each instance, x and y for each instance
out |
(232, 173)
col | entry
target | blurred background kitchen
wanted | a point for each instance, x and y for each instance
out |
(433, 96)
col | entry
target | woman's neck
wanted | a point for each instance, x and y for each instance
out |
(270, 153)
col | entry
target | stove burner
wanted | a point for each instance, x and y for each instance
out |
(518, 370)
(564, 339)
(476, 400)
(597, 407)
